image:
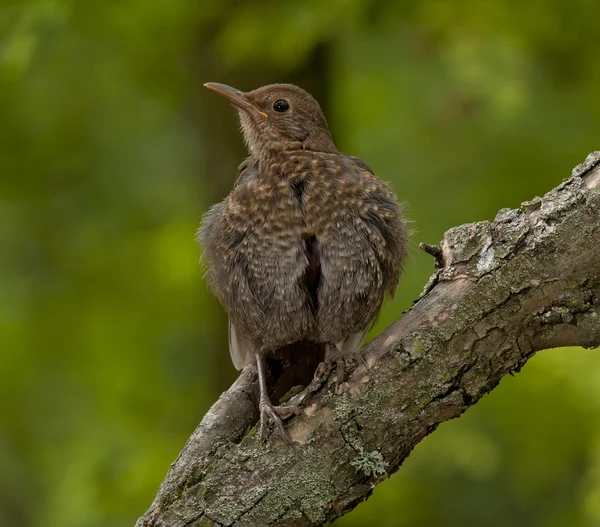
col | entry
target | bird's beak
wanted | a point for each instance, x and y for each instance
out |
(235, 97)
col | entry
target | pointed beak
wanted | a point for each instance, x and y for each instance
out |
(234, 97)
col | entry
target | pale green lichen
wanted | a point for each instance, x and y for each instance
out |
(417, 349)
(425, 402)
(252, 433)
(556, 315)
(343, 408)
(293, 391)
(370, 463)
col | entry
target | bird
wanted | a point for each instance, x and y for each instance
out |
(306, 247)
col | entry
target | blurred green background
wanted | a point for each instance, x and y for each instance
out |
(111, 348)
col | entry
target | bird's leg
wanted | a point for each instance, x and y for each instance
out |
(336, 359)
(267, 409)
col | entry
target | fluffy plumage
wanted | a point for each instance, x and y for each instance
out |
(308, 243)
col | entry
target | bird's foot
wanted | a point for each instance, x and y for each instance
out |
(270, 412)
(339, 363)
(324, 368)
(336, 361)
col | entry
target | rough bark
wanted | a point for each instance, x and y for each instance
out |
(528, 281)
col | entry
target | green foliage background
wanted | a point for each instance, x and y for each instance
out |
(111, 348)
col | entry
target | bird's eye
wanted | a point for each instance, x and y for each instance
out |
(281, 106)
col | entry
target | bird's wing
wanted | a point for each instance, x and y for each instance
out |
(240, 348)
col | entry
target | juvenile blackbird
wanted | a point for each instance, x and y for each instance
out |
(304, 249)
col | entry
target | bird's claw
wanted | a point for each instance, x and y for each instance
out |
(270, 412)
(322, 369)
(338, 362)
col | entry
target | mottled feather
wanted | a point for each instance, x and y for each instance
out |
(309, 241)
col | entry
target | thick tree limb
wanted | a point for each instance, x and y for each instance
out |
(526, 282)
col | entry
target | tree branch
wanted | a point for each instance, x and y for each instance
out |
(528, 281)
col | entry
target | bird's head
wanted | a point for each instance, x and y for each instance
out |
(277, 118)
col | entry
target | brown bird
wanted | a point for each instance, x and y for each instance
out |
(306, 246)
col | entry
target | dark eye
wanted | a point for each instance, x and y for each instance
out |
(281, 106)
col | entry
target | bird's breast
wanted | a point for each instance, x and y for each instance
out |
(303, 197)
